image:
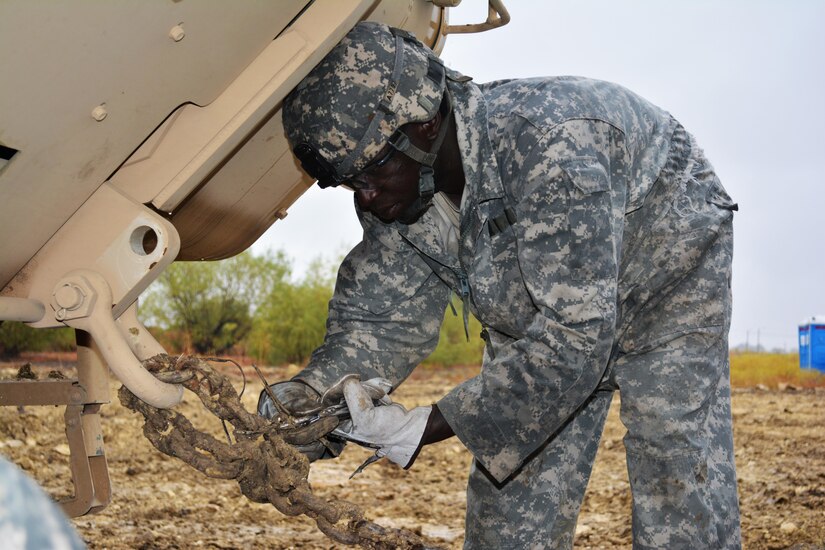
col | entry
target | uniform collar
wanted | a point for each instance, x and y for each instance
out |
(481, 173)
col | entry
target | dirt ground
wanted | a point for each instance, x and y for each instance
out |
(160, 502)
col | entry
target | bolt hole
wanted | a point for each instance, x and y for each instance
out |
(144, 240)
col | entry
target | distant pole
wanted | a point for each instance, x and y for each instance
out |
(747, 340)
(758, 346)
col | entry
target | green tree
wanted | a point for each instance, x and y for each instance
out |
(291, 321)
(212, 303)
(453, 346)
(16, 337)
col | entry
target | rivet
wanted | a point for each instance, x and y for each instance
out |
(177, 33)
(99, 112)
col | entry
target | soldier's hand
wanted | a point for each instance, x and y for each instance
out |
(299, 399)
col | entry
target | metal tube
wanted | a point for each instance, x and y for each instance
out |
(21, 309)
(138, 337)
(497, 16)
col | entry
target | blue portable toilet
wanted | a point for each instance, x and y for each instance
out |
(812, 343)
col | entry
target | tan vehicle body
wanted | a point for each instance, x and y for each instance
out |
(133, 134)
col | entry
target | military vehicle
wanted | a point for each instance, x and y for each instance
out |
(135, 134)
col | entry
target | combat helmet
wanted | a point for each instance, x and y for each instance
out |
(356, 100)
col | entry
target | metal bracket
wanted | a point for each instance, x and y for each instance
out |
(82, 299)
(82, 397)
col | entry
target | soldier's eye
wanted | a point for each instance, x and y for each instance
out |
(381, 161)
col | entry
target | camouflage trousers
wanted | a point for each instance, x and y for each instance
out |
(671, 368)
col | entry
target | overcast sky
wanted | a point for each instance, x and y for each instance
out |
(746, 77)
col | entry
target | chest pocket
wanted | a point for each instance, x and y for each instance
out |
(499, 295)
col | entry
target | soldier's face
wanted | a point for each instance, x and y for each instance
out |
(390, 190)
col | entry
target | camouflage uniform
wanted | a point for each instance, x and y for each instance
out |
(29, 519)
(595, 248)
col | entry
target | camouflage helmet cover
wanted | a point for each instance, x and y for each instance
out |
(373, 82)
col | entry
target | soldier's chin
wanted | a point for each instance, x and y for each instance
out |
(414, 212)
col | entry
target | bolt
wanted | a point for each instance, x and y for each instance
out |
(73, 297)
(99, 112)
(177, 33)
(68, 296)
(75, 396)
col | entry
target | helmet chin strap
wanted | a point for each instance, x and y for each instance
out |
(426, 179)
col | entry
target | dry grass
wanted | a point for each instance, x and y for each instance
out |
(771, 369)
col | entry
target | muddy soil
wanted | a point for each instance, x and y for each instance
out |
(160, 502)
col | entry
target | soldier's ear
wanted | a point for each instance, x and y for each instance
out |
(429, 128)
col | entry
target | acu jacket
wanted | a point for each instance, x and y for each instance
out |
(558, 248)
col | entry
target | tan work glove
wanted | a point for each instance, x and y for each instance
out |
(391, 429)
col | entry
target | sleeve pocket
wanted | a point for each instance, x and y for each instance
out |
(589, 220)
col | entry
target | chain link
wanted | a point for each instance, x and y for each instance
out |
(266, 468)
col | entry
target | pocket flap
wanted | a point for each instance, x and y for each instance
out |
(587, 174)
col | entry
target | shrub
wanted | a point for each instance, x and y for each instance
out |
(771, 369)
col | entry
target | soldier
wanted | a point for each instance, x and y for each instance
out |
(585, 229)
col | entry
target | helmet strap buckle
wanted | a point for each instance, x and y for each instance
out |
(426, 183)
(426, 175)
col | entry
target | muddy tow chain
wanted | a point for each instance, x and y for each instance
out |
(266, 467)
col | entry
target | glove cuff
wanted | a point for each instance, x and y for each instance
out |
(404, 452)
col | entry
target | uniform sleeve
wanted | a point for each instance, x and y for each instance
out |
(569, 215)
(385, 313)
